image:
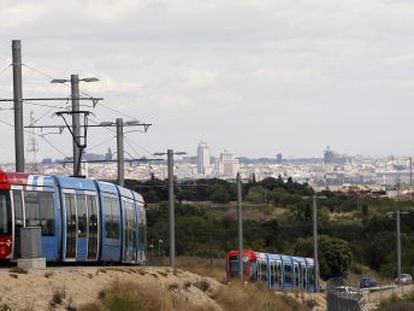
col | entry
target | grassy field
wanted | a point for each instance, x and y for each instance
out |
(221, 295)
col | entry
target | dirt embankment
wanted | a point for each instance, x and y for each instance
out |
(68, 288)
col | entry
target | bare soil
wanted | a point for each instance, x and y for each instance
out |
(59, 288)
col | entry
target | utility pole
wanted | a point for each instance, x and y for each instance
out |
(77, 137)
(120, 150)
(240, 226)
(315, 242)
(18, 105)
(171, 214)
(398, 214)
(397, 219)
(74, 85)
(171, 200)
(411, 173)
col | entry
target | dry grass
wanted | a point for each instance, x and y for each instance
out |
(250, 297)
(133, 296)
(128, 296)
(215, 269)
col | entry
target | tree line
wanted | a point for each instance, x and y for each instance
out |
(355, 231)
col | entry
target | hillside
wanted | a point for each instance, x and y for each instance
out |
(62, 287)
(137, 288)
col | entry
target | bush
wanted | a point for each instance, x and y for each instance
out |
(251, 297)
(335, 255)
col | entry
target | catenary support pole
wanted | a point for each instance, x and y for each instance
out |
(397, 218)
(240, 226)
(315, 242)
(18, 105)
(120, 150)
(170, 160)
(74, 83)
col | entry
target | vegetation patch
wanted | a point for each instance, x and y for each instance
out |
(251, 297)
(128, 296)
(18, 270)
(395, 303)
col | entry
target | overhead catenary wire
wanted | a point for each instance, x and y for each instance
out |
(38, 71)
(3, 70)
(38, 135)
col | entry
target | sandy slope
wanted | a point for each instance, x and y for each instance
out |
(81, 285)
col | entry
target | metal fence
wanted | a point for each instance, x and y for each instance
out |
(343, 297)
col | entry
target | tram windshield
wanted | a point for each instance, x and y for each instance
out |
(234, 266)
(5, 217)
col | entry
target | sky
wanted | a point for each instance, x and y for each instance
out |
(252, 77)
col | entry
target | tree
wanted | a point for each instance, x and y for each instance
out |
(257, 194)
(218, 193)
(335, 255)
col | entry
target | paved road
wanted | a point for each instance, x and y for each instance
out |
(374, 295)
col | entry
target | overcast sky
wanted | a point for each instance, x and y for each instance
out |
(253, 77)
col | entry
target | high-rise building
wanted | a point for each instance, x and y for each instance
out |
(279, 158)
(228, 164)
(203, 159)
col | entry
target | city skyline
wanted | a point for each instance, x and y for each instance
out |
(257, 78)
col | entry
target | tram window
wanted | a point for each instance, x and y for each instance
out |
(18, 207)
(278, 274)
(116, 218)
(263, 270)
(5, 221)
(39, 211)
(93, 227)
(81, 213)
(111, 217)
(253, 271)
(296, 275)
(311, 272)
(302, 276)
(141, 226)
(272, 273)
(134, 226)
(288, 273)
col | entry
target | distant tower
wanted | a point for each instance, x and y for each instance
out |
(203, 159)
(109, 154)
(228, 164)
(32, 149)
(279, 158)
(328, 155)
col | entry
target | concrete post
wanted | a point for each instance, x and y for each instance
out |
(18, 105)
(240, 226)
(170, 160)
(315, 242)
(74, 83)
(120, 150)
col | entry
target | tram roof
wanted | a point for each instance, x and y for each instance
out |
(28, 181)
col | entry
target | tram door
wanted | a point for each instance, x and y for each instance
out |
(93, 223)
(304, 278)
(272, 275)
(81, 215)
(297, 275)
(129, 247)
(71, 227)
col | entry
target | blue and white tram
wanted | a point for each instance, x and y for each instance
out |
(82, 220)
(276, 271)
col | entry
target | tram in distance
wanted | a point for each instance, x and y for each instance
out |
(81, 220)
(276, 271)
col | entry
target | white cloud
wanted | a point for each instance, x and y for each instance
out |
(107, 84)
(201, 78)
(401, 59)
(174, 102)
